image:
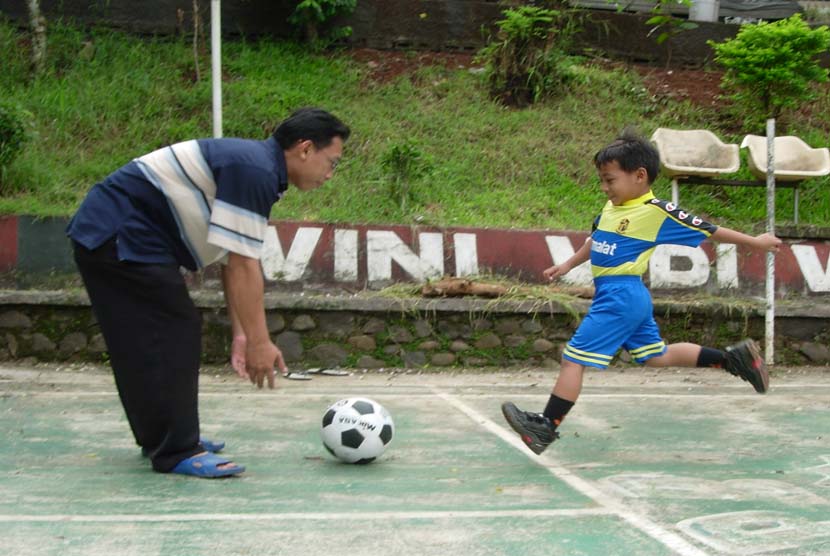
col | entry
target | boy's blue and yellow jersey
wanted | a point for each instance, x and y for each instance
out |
(624, 236)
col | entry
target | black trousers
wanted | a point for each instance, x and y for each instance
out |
(153, 334)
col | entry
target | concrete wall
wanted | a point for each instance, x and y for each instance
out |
(346, 256)
(457, 25)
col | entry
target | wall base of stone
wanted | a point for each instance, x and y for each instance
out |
(373, 331)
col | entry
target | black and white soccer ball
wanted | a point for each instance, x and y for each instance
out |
(357, 430)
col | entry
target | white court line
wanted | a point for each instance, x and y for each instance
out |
(387, 394)
(673, 541)
(296, 516)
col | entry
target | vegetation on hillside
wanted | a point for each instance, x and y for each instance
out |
(106, 97)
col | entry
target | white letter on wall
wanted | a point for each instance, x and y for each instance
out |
(560, 251)
(662, 275)
(727, 265)
(276, 266)
(383, 247)
(817, 278)
(466, 254)
(345, 255)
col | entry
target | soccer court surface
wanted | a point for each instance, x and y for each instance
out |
(650, 462)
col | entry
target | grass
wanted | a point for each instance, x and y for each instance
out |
(108, 97)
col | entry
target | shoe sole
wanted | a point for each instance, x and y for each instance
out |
(761, 371)
(517, 428)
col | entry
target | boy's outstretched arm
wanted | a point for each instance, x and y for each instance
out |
(763, 242)
(582, 255)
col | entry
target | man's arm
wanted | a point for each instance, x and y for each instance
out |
(244, 291)
(239, 341)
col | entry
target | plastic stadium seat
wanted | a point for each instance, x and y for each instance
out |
(795, 160)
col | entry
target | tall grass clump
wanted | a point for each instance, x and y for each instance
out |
(527, 60)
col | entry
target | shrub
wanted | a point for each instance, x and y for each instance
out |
(771, 67)
(311, 15)
(667, 26)
(528, 60)
(404, 163)
(12, 135)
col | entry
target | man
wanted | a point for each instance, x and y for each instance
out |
(189, 205)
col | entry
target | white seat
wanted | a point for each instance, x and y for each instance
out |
(695, 152)
(795, 160)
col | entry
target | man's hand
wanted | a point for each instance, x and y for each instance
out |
(256, 358)
(260, 360)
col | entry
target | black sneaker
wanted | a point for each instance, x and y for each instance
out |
(744, 360)
(535, 429)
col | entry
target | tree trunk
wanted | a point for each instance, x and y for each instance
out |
(38, 26)
(197, 20)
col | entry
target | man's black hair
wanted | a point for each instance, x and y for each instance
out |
(631, 151)
(313, 124)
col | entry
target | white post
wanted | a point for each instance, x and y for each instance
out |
(216, 64)
(675, 192)
(704, 10)
(769, 316)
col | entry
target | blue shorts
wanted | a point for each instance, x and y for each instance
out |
(621, 315)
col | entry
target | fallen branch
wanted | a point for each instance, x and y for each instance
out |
(458, 287)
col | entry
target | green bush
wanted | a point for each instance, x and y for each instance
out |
(311, 15)
(12, 135)
(404, 163)
(771, 67)
(528, 62)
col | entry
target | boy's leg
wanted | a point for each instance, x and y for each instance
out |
(569, 382)
(677, 355)
(742, 360)
(538, 430)
(615, 314)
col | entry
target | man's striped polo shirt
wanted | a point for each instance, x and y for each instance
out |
(187, 204)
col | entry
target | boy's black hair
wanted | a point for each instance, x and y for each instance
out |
(312, 124)
(631, 151)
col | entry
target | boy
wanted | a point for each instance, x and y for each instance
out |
(624, 235)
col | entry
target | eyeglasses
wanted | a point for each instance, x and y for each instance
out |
(333, 162)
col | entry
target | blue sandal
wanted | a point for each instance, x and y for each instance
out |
(207, 466)
(208, 445)
(211, 446)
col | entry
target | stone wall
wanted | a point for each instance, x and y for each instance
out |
(375, 331)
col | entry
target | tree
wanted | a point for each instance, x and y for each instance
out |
(771, 67)
(527, 60)
(312, 15)
(37, 23)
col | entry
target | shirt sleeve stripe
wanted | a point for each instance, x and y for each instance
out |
(230, 241)
(239, 220)
(242, 237)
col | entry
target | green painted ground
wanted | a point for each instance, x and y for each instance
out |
(650, 463)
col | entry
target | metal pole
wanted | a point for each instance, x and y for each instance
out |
(216, 64)
(769, 316)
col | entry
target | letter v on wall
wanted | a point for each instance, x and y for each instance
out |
(276, 266)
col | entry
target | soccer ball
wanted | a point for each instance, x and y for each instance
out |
(357, 430)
